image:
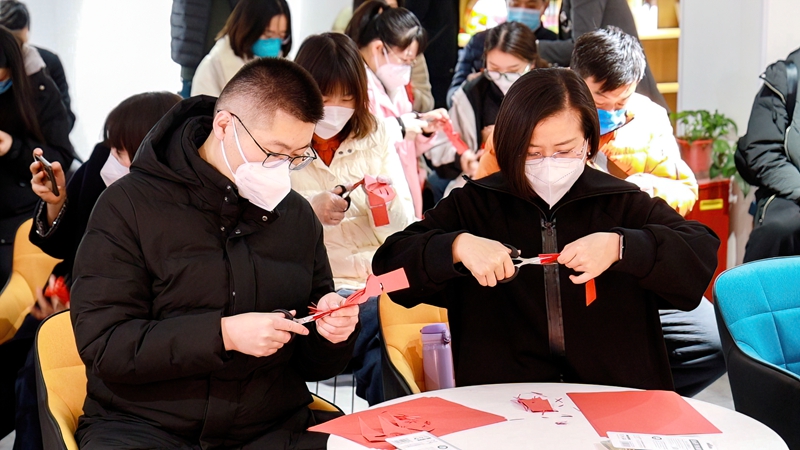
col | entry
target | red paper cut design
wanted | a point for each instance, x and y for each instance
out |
(58, 289)
(376, 284)
(535, 404)
(646, 412)
(454, 138)
(548, 258)
(591, 292)
(378, 196)
(440, 417)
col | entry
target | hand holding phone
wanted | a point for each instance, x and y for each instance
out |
(48, 170)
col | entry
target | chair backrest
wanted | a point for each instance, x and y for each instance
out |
(61, 382)
(30, 269)
(760, 305)
(402, 343)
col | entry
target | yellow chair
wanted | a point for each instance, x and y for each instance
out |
(402, 345)
(30, 269)
(61, 383)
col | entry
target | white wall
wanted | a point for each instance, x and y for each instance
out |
(312, 17)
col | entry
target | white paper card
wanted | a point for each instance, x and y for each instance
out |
(658, 442)
(419, 441)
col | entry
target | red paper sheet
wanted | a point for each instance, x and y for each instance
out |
(648, 412)
(591, 294)
(445, 417)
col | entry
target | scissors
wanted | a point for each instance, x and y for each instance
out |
(346, 193)
(541, 260)
(288, 316)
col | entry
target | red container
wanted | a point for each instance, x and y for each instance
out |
(713, 210)
(697, 155)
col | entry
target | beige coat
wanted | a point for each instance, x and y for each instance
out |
(353, 242)
(216, 69)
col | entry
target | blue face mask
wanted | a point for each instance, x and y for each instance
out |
(532, 18)
(610, 120)
(5, 85)
(267, 48)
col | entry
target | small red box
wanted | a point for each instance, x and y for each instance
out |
(713, 210)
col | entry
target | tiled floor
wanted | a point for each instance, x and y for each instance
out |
(343, 395)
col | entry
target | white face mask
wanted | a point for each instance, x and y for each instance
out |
(112, 170)
(504, 84)
(393, 76)
(336, 117)
(552, 178)
(264, 187)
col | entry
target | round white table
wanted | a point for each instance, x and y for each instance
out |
(525, 430)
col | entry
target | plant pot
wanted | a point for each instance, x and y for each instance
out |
(697, 155)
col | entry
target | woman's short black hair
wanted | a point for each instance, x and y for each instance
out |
(396, 27)
(128, 123)
(515, 39)
(247, 23)
(536, 96)
(14, 15)
(610, 56)
(334, 62)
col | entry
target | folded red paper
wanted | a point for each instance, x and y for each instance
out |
(647, 412)
(376, 284)
(378, 196)
(454, 138)
(535, 404)
(433, 414)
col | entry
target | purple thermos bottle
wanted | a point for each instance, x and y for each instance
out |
(437, 357)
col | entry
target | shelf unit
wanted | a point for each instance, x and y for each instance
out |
(661, 47)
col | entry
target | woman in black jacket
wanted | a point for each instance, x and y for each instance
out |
(31, 116)
(545, 324)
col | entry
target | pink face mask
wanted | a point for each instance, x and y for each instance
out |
(392, 75)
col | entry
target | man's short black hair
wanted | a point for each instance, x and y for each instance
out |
(610, 56)
(14, 15)
(266, 85)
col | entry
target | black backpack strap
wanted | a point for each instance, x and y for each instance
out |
(791, 93)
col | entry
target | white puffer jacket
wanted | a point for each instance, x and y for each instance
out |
(216, 69)
(352, 243)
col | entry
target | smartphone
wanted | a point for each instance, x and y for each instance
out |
(48, 171)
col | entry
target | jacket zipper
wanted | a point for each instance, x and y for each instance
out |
(766, 205)
(552, 282)
(789, 125)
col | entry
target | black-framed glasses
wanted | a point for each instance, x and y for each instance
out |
(276, 159)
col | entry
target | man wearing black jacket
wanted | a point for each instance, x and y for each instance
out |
(184, 265)
(771, 150)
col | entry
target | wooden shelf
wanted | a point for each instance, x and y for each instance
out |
(668, 88)
(660, 33)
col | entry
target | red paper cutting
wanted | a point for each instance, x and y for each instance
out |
(535, 405)
(376, 284)
(444, 417)
(647, 412)
(58, 289)
(591, 292)
(548, 258)
(454, 138)
(378, 196)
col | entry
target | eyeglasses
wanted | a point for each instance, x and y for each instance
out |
(405, 62)
(577, 152)
(276, 159)
(510, 76)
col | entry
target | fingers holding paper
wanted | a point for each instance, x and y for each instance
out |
(590, 255)
(340, 324)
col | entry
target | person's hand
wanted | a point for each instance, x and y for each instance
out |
(339, 325)
(45, 307)
(486, 133)
(258, 334)
(329, 207)
(645, 181)
(487, 260)
(385, 179)
(591, 255)
(435, 120)
(5, 143)
(469, 163)
(474, 75)
(41, 186)
(412, 124)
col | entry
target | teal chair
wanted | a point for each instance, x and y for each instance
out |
(758, 314)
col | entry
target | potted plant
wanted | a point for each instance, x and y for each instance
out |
(702, 135)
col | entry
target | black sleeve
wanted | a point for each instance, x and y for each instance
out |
(56, 71)
(672, 257)
(425, 250)
(117, 337)
(764, 149)
(464, 67)
(62, 240)
(316, 358)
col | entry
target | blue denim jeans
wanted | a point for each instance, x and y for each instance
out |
(366, 362)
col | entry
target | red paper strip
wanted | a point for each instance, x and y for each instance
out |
(378, 196)
(376, 284)
(548, 258)
(646, 412)
(58, 289)
(591, 292)
(454, 138)
(444, 417)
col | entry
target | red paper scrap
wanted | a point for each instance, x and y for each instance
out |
(378, 196)
(376, 284)
(548, 258)
(646, 412)
(454, 138)
(535, 404)
(58, 289)
(591, 292)
(433, 414)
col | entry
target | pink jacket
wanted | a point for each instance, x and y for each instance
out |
(387, 107)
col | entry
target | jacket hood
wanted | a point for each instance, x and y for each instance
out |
(169, 148)
(775, 74)
(591, 183)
